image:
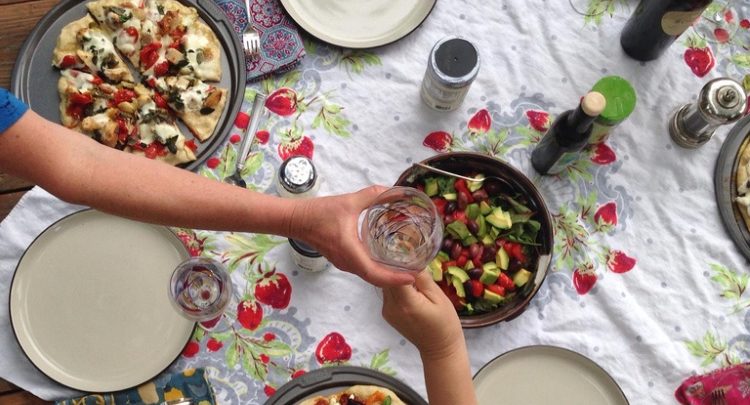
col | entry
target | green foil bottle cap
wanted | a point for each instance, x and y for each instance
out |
(620, 97)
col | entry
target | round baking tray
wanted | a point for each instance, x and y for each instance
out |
(725, 184)
(330, 380)
(34, 79)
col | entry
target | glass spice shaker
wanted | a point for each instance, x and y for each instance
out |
(720, 102)
(297, 178)
(307, 258)
(451, 68)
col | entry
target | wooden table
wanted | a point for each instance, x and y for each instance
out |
(17, 19)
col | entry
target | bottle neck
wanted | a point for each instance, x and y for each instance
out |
(579, 121)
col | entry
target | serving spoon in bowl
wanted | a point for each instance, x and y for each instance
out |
(427, 167)
(247, 140)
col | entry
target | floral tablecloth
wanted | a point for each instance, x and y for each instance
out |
(645, 280)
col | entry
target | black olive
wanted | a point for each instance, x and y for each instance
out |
(206, 110)
(489, 253)
(475, 273)
(447, 244)
(450, 207)
(456, 251)
(473, 226)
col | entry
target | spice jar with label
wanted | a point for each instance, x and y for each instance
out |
(451, 68)
(307, 258)
(297, 178)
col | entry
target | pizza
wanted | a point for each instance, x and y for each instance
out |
(743, 182)
(357, 395)
(177, 57)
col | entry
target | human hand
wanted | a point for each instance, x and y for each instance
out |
(329, 224)
(423, 314)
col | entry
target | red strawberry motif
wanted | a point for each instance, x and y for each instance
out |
(300, 147)
(538, 120)
(242, 120)
(269, 390)
(298, 373)
(213, 162)
(268, 336)
(234, 138)
(333, 349)
(584, 280)
(249, 314)
(262, 136)
(191, 242)
(191, 349)
(745, 23)
(274, 290)
(214, 345)
(699, 57)
(619, 262)
(480, 122)
(606, 215)
(439, 141)
(603, 154)
(728, 16)
(283, 101)
(721, 35)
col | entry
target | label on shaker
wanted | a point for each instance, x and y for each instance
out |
(676, 22)
(442, 97)
(564, 161)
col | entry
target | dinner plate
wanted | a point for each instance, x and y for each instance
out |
(543, 375)
(34, 80)
(89, 302)
(330, 380)
(359, 23)
(725, 185)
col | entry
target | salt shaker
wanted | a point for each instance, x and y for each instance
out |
(720, 102)
(307, 258)
(297, 178)
(451, 68)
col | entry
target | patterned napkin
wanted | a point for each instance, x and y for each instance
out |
(191, 383)
(281, 47)
(734, 381)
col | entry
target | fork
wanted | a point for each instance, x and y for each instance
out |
(717, 397)
(458, 176)
(250, 38)
(247, 141)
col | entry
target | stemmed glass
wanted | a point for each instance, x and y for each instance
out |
(402, 229)
(201, 289)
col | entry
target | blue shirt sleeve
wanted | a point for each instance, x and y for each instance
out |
(11, 109)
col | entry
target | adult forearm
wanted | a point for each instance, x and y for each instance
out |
(448, 377)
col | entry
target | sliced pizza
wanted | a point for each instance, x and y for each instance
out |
(358, 394)
(82, 44)
(197, 103)
(122, 20)
(81, 95)
(742, 177)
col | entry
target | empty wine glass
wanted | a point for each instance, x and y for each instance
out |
(200, 289)
(402, 229)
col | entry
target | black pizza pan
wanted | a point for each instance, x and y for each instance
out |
(725, 184)
(34, 79)
(330, 380)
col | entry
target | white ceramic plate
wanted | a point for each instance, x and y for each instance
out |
(358, 23)
(542, 375)
(89, 302)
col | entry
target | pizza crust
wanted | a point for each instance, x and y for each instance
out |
(202, 126)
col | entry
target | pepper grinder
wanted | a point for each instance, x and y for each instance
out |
(720, 102)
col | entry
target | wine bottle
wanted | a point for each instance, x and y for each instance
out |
(655, 24)
(566, 136)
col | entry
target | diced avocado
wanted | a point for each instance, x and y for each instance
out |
(450, 196)
(436, 268)
(482, 231)
(469, 265)
(459, 285)
(431, 187)
(521, 277)
(475, 185)
(494, 232)
(458, 229)
(458, 273)
(487, 240)
(499, 219)
(491, 297)
(472, 211)
(442, 256)
(502, 259)
(485, 208)
(489, 274)
(468, 241)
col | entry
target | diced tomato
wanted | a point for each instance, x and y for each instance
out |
(160, 101)
(461, 261)
(81, 99)
(161, 69)
(122, 95)
(440, 204)
(122, 130)
(459, 215)
(504, 281)
(514, 250)
(154, 150)
(450, 292)
(177, 35)
(75, 111)
(68, 61)
(419, 187)
(467, 195)
(132, 31)
(97, 80)
(460, 184)
(447, 264)
(191, 145)
(150, 54)
(477, 288)
(497, 289)
(477, 262)
(151, 82)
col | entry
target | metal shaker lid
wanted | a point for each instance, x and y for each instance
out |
(722, 100)
(454, 62)
(297, 174)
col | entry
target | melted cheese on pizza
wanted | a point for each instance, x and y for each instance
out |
(194, 46)
(97, 43)
(125, 41)
(80, 80)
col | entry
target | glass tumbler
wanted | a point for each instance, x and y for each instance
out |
(402, 229)
(200, 289)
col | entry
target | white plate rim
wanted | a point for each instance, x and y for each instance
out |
(581, 358)
(112, 388)
(305, 23)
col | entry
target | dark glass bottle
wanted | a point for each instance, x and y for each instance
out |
(655, 24)
(566, 137)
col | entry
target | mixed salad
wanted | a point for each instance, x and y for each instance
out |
(488, 247)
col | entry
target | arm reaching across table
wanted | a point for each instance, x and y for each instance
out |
(79, 170)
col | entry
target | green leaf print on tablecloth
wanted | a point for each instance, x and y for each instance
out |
(379, 362)
(733, 284)
(248, 249)
(711, 349)
(597, 9)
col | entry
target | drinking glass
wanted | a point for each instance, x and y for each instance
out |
(200, 289)
(402, 229)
